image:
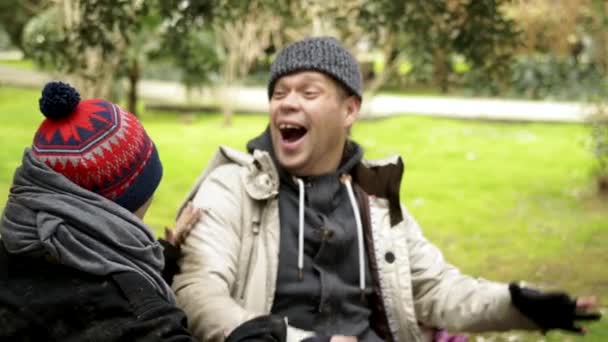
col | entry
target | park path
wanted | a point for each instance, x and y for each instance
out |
(254, 99)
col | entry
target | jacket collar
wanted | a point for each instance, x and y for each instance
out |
(260, 176)
(380, 178)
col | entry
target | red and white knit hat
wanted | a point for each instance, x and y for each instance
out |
(97, 145)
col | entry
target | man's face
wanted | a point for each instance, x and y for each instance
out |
(309, 117)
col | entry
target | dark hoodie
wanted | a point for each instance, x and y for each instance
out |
(327, 299)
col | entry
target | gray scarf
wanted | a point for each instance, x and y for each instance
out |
(48, 215)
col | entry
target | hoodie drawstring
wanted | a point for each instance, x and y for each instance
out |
(301, 231)
(346, 180)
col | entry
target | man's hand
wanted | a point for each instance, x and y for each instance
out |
(185, 222)
(554, 310)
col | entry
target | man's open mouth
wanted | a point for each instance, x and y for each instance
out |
(291, 133)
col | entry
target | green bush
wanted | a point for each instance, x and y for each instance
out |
(552, 77)
(540, 76)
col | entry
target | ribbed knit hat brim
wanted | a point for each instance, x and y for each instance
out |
(322, 54)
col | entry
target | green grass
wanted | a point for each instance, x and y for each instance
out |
(503, 201)
(25, 64)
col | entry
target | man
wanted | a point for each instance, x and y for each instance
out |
(76, 261)
(304, 229)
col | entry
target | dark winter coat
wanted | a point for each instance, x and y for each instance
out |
(41, 300)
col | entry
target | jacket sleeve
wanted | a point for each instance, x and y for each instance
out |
(445, 298)
(159, 322)
(152, 317)
(209, 259)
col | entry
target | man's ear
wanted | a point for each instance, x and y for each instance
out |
(352, 107)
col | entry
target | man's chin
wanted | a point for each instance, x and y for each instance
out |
(292, 165)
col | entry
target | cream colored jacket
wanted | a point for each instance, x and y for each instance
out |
(230, 260)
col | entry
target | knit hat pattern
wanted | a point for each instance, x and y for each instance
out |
(322, 54)
(97, 145)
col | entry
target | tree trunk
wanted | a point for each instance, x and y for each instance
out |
(391, 65)
(602, 185)
(229, 76)
(226, 101)
(134, 74)
(441, 70)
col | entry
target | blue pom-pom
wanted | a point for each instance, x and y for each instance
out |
(58, 100)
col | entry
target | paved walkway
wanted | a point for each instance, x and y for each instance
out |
(254, 99)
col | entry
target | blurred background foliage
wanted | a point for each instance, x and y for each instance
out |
(525, 49)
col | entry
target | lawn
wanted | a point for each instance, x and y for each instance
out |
(25, 64)
(503, 201)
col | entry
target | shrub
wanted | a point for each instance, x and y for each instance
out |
(553, 77)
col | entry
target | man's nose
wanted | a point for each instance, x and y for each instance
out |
(290, 102)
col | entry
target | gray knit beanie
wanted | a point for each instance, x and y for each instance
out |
(323, 54)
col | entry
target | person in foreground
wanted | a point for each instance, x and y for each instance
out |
(76, 261)
(303, 239)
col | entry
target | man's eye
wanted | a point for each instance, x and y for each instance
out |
(278, 94)
(310, 94)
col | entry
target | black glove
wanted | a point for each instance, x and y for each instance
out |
(260, 329)
(172, 255)
(550, 310)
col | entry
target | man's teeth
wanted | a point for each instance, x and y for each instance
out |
(288, 126)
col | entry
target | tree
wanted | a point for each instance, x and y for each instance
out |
(14, 15)
(435, 30)
(242, 42)
(426, 32)
(188, 40)
(243, 32)
(560, 33)
(89, 40)
(600, 32)
(563, 55)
